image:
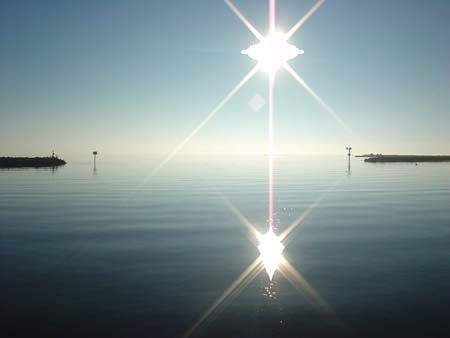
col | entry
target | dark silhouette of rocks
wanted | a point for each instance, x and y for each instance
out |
(31, 162)
(406, 158)
(369, 155)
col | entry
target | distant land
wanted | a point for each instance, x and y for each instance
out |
(380, 158)
(31, 162)
(369, 155)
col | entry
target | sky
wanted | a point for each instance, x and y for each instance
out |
(134, 78)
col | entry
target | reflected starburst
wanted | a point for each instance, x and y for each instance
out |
(270, 259)
(270, 249)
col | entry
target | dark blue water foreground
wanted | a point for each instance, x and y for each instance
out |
(86, 254)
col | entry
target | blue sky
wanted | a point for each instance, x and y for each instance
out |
(135, 77)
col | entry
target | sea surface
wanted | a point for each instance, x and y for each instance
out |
(118, 253)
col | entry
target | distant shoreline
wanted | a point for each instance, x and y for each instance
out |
(31, 162)
(379, 158)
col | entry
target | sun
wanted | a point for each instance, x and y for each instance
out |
(272, 52)
(270, 249)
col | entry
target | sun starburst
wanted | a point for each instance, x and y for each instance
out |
(272, 52)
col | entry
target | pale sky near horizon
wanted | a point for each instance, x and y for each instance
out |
(135, 77)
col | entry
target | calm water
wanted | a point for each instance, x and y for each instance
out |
(87, 254)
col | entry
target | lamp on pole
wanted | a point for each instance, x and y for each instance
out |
(349, 149)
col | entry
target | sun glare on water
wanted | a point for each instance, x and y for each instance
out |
(272, 52)
(271, 250)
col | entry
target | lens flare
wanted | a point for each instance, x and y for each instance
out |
(272, 52)
(271, 250)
